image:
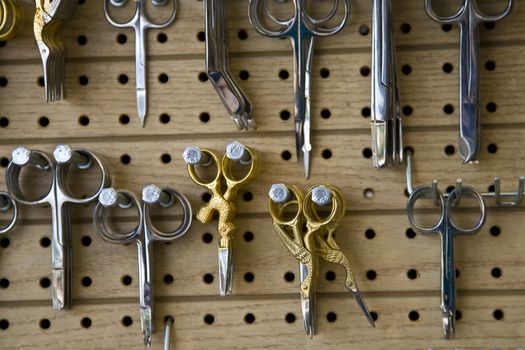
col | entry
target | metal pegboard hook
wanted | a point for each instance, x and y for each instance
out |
(517, 196)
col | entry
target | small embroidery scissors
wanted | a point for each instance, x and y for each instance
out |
(58, 197)
(302, 29)
(223, 188)
(140, 23)
(144, 234)
(447, 229)
(468, 18)
(7, 203)
(314, 243)
(10, 19)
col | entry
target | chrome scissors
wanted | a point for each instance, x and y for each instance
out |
(144, 234)
(468, 18)
(8, 203)
(447, 229)
(387, 134)
(140, 23)
(59, 197)
(317, 242)
(302, 30)
(224, 188)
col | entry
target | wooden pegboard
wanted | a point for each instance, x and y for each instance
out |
(105, 278)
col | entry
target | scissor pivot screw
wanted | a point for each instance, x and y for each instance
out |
(321, 195)
(279, 193)
(108, 197)
(21, 155)
(237, 151)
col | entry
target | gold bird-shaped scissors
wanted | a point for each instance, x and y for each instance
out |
(310, 237)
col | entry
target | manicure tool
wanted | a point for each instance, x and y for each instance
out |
(447, 228)
(302, 29)
(7, 203)
(58, 197)
(468, 18)
(316, 243)
(144, 234)
(224, 188)
(10, 19)
(218, 66)
(49, 17)
(140, 23)
(387, 134)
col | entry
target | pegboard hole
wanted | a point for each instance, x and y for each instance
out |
(82, 40)
(495, 231)
(123, 79)
(496, 272)
(405, 28)
(86, 322)
(203, 77)
(406, 69)
(40, 81)
(492, 148)
(244, 75)
(448, 68)
(365, 112)
(370, 234)
(459, 315)
(248, 236)
(83, 120)
(368, 193)
(123, 119)
(4, 283)
(126, 321)
(162, 38)
(290, 318)
(490, 65)
(165, 158)
(247, 196)
(286, 155)
(446, 27)
(249, 277)
(4, 242)
(324, 72)
(491, 107)
(4, 122)
(45, 282)
(125, 159)
(411, 234)
(122, 39)
(86, 281)
(4, 162)
(168, 279)
(164, 118)
(283, 74)
(448, 109)
(365, 71)
(457, 273)
(408, 110)
(201, 36)
(4, 324)
(374, 315)
(367, 153)
(208, 278)
(364, 30)
(450, 150)
(285, 115)
(207, 238)
(371, 275)
(3, 81)
(243, 34)
(126, 280)
(330, 276)
(204, 117)
(45, 242)
(498, 314)
(43, 121)
(490, 25)
(45, 323)
(209, 319)
(249, 318)
(206, 197)
(289, 276)
(413, 315)
(326, 153)
(412, 274)
(331, 317)
(325, 113)
(163, 78)
(83, 80)
(491, 188)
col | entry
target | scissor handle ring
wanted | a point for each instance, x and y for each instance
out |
(493, 18)
(184, 226)
(11, 203)
(424, 192)
(15, 21)
(129, 24)
(62, 173)
(255, 167)
(336, 212)
(12, 177)
(253, 16)
(104, 229)
(446, 19)
(275, 209)
(481, 202)
(195, 177)
(148, 24)
(314, 25)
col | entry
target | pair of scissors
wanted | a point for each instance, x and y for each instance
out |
(8, 203)
(447, 229)
(387, 133)
(468, 17)
(224, 188)
(144, 234)
(59, 196)
(10, 19)
(302, 29)
(140, 23)
(218, 66)
(316, 243)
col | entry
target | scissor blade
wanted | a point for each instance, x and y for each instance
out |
(146, 324)
(58, 290)
(225, 271)
(363, 307)
(449, 326)
(299, 140)
(141, 105)
(308, 314)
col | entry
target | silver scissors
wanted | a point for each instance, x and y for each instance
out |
(447, 229)
(58, 198)
(387, 133)
(140, 23)
(302, 30)
(144, 234)
(468, 18)
(7, 203)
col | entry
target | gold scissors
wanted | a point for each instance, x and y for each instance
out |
(222, 201)
(314, 243)
(10, 19)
